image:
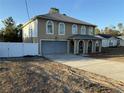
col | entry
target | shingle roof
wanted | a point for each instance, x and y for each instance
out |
(84, 37)
(63, 18)
(105, 35)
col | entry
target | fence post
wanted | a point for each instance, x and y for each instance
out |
(8, 49)
(23, 48)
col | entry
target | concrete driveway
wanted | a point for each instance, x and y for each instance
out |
(110, 69)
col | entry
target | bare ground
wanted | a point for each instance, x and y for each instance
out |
(39, 75)
(112, 54)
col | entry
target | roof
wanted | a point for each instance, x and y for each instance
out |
(61, 17)
(105, 35)
(84, 37)
(121, 37)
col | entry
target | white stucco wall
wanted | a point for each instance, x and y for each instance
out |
(114, 40)
(106, 42)
(121, 42)
(31, 30)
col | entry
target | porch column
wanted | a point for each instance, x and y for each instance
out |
(75, 46)
(78, 46)
(93, 46)
(86, 46)
(68, 47)
(100, 45)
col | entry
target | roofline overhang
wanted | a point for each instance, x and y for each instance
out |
(66, 22)
(38, 17)
(84, 39)
(31, 20)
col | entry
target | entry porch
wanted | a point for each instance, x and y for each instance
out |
(84, 44)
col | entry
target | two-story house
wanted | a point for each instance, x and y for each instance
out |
(60, 34)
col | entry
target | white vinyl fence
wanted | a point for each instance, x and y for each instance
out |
(18, 49)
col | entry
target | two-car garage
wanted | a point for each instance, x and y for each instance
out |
(53, 47)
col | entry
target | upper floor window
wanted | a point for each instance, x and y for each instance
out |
(61, 28)
(83, 30)
(74, 29)
(90, 30)
(49, 27)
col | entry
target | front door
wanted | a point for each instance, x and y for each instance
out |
(81, 45)
(90, 47)
(72, 47)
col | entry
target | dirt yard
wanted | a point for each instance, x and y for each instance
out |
(114, 54)
(40, 75)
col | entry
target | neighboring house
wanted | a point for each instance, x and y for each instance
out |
(121, 40)
(108, 40)
(60, 34)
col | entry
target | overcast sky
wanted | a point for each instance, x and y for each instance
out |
(100, 12)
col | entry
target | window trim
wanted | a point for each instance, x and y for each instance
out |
(59, 28)
(90, 30)
(52, 27)
(76, 29)
(82, 28)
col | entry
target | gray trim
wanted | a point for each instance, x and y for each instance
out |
(83, 37)
(52, 27)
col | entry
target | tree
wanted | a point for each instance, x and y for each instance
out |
(19, 32)
(9, 22)
(1, 35)
(111, 31)
(97, 31)
(106, 30)
(10, 32)
(120, 27)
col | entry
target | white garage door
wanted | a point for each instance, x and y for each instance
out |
(54, 47)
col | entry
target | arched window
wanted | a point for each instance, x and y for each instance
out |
(83, 30)
(61, 28)
(49, 27)
(90, 31)
(74, 29)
